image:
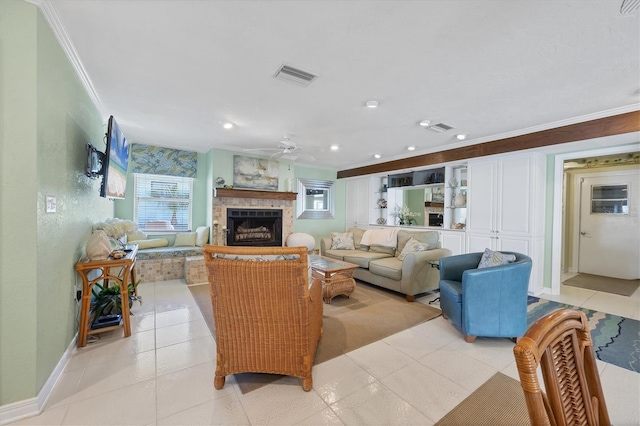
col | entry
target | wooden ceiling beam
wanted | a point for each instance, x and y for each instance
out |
(601, 127)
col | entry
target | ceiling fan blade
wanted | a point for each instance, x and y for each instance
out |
(299, 155)
(261, 149)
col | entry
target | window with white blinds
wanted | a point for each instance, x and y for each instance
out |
(162, 202)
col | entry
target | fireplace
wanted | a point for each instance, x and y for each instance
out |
(254, 227)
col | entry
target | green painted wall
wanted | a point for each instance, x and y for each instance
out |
(46, 118)
(320, 228)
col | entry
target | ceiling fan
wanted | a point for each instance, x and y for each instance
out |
(286, 148)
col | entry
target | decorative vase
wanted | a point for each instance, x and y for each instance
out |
(99, 246)
(460, 200)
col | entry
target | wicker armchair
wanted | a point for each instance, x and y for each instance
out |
(268, 318)
(560, 343)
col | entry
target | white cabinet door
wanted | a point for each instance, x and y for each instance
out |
(477, 242)
(506, 195)
(454, 241)
(481, 198)
(357, 203)
(514, 190)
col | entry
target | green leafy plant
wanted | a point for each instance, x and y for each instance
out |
(107, 300)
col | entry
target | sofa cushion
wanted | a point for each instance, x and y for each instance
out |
(495, 258)
(383, 249)
(413, 246)
(362, 258)
(342, 241)
(429, 237)
(337, 254)
(389, 267)
(357, 238)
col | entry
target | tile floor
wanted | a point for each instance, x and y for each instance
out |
(163, 374)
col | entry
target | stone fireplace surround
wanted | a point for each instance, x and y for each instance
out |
(224, 198)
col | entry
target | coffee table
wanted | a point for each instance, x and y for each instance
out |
(336, 276)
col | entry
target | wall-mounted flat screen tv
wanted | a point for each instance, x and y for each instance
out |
(116, 162)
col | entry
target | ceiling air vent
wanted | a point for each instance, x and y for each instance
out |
(440, 127)
(294, 75)
(629, 6)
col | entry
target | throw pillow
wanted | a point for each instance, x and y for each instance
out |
(202, 235)
(495, 258)
(185, 239)
(413, 246)
(342, 241)
(153, 243)
(135, 236)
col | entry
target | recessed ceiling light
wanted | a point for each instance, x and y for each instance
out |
(411, 148)
(227, 125)
(372, 104)
(461, 136)
(377, 155)
(334, 147)
(424, 123)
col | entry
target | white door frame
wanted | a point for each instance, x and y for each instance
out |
(558, 189)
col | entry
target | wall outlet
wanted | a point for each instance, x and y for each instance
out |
(78, 295)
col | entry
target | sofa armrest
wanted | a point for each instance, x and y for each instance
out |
(417, 269)
(452, 268)
(325, 244)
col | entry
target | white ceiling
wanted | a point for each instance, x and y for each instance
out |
(172, 71)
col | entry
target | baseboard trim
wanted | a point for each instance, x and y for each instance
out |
(31, 407)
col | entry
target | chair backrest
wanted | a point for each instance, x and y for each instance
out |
(260, 297)
(560, 343)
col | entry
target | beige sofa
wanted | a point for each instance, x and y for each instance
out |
(379, 264)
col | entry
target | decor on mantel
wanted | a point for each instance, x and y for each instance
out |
(255, 173)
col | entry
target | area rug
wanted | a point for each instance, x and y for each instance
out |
(616, 339)
(369, 315)
(606, 284)
(499, 401)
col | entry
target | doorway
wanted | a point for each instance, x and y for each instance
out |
(607, 231)
(563, 212)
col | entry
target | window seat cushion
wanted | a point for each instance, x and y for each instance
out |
(168, 252)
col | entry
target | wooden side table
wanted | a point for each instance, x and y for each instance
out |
(123, 273)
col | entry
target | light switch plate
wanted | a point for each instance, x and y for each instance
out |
(51, 204)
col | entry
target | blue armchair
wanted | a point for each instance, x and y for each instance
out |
(489, 302)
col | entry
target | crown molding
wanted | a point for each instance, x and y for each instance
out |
(50, 14)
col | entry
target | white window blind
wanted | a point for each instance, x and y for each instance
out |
(162, 202)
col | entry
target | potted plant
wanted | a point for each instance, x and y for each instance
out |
(106, 300)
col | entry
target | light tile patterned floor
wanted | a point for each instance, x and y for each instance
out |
(163, 374)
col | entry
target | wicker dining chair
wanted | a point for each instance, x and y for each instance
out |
(560, 343)
(267, 314)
